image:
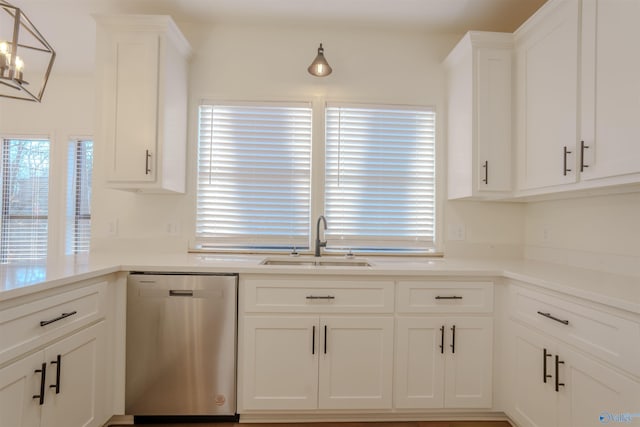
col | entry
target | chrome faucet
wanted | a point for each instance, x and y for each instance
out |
(320, 243)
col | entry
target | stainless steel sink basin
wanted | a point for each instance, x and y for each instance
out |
(317, 262)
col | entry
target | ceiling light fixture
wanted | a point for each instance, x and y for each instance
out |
(320, 67)
(25, 56)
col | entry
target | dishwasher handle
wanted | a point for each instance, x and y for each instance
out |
(180, 293)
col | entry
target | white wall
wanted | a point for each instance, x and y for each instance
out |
(65, 113)
(235, 62)
(252, 63)
(593, 232)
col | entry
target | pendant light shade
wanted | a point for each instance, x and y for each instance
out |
(26, 58)
(320, 67)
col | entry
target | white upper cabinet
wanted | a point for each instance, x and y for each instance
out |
(577, 96)
(479, 116)
(610, 128)
(547, 96)
(142, 86)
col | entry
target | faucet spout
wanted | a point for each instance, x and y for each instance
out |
(320, 243)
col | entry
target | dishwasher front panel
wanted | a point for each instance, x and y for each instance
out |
(181, 344)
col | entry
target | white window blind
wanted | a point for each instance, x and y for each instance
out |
(79, 173)
(254, 176)
(380, 177)
(25, 200)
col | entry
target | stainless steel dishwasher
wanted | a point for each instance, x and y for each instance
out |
(181, 345)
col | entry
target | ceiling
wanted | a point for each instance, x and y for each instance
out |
(69, 27)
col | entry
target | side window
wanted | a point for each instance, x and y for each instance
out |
(78, 222)
(25, 199)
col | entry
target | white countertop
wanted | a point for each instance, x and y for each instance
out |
(622, 292)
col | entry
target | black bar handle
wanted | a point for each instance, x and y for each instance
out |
(453, 339)
(313, 340)
(147, 169)
(582, 148)
(558, 383)
(545, 354)
(58, 363)
(549, 316)
(566, 151)
(43, 372)
(442, 339)
(486, 172)
(325, 339)
(449, 297)
(180, 293)
(320, 297)
(62, 316)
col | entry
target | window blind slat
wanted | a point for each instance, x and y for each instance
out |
(253, 176)
(380, 177)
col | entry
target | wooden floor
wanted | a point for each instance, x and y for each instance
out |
(355, 424)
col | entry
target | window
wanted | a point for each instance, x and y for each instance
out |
(254, 176)
(380, 177)
(25, 190)
(79, 172)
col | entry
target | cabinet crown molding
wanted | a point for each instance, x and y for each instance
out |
(146, 23)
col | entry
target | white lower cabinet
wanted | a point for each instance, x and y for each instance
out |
(554, 385)
(317, 362)
(443, 362)
(356, 362)
(57, 386)
(280, 363)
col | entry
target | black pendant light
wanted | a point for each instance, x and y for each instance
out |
(320, 67)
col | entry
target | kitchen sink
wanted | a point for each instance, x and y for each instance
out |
(317, 262)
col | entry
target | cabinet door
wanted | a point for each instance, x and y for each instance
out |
(593, 394)
(419, 365)
(535, 401)
(493, 119)
(132, 136)
(75, 379)
(468, 367)
(280, 362)
(547, 73)
(356, 362)
(19, 382)
(611, 88)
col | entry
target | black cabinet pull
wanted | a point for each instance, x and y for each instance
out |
(453, 339)
(451, 297)
(147, 168)
(549, 316)
(62, 316)
(565, 160)
(582, 148)
(558, 383)
(313, 340)
(320, 297)
(442, 339)
(43, 373)
(486, 172)
(545, 354)
(325, 339)
(58, 363)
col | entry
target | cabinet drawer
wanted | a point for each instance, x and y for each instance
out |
(604, 335)
(29, 325)
(327, 295)
(445, 297)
